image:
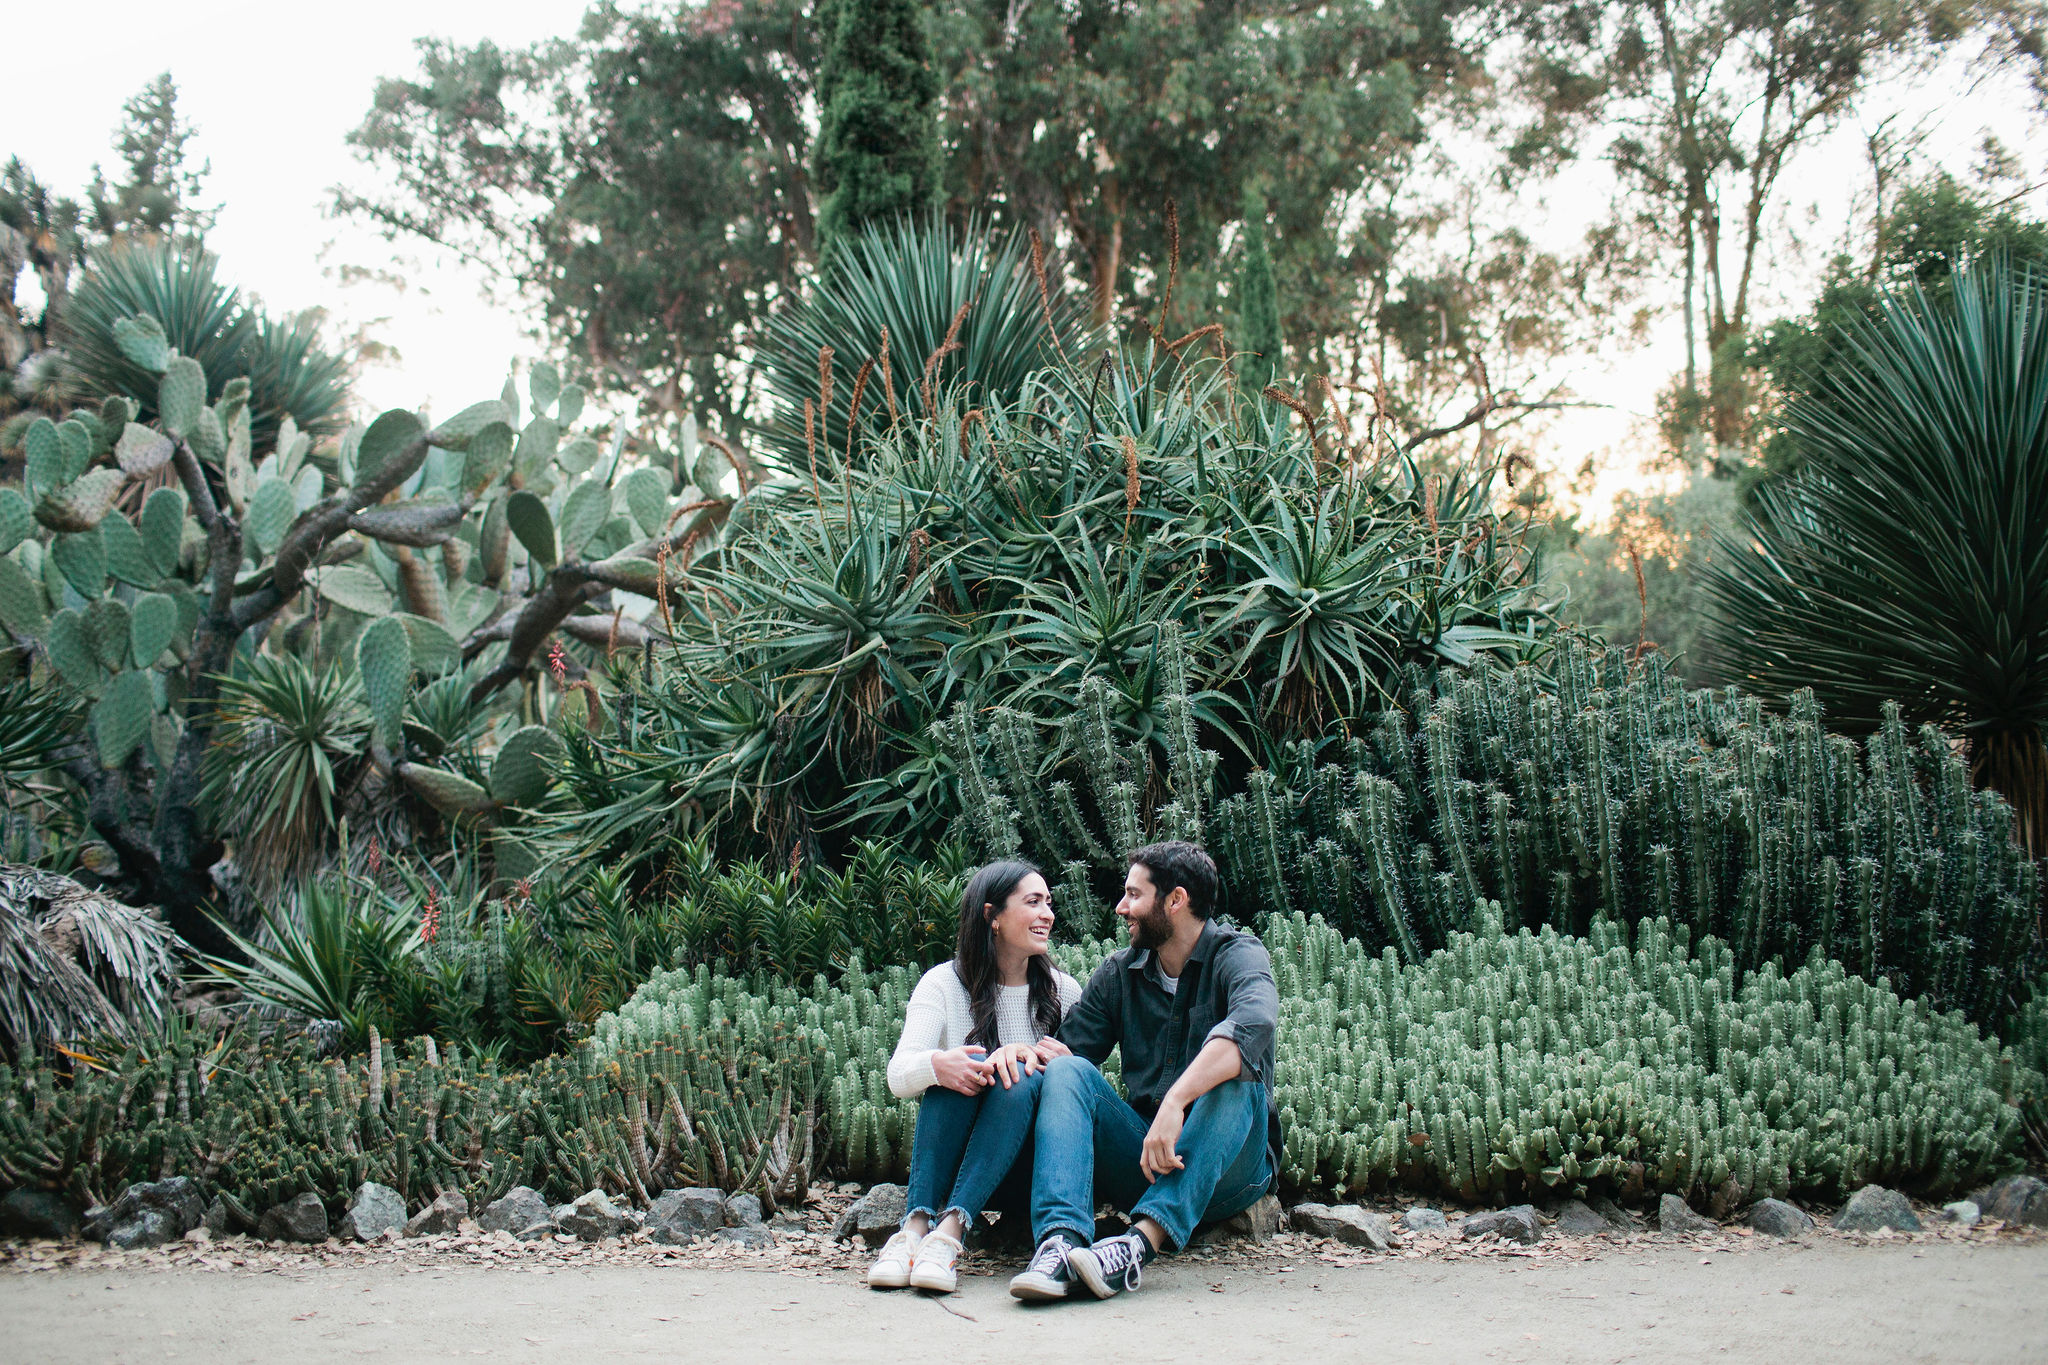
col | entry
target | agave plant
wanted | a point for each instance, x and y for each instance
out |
(963, 310)
(1909, 560)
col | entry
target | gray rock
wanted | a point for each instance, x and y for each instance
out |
(1618, 1218)
(217, 1219)
(1779, 1219)
(521, 1212)
(371, 1211)
(39, 1213)
(1675, 1216)
(441, 1218)
(753, 1237)
(1261, 1222)
(1347, 1223)
(593, 1217)
(743, 1211)
(1577, 1218)
(679, 1215)
(2017, 1199)
(147, 1215)
(1874, 1207)
(1963, 1211)
(1517, 1224)
(874, 1217)
(1426, 1220)
(303, 1219)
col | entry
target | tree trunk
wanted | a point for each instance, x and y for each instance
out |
(2014, 763)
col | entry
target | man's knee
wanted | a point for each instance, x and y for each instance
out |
(1069, 1077)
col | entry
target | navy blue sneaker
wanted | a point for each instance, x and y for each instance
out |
(1113, 1265)
(1047, 1278)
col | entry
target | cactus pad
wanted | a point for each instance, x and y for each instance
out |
(535, 450)
(17, 522)
(386, 439)
(355, 587)
(434, 650)
(152, 625)
(120, 719)
(82, 559)
(79, 506)
(460, 430)
(127, 558)
(588, 507)
(141, 339)
(76, 443)
(21, 601)
(578, 456)
(528, 517)
(520, 774)
(106, 630)
(45, 456)
(647, 499)
(544, 387)
(490, 455)
(384, 658)
(163, 528)
(630, 573)
(449, 793)
(181, 396)
(142, 450)
(71, 651)
(271, 509)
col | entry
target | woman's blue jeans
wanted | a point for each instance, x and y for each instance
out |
(967, 1146)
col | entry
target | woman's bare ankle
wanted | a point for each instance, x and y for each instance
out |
(950, 1225)
(917, 1224)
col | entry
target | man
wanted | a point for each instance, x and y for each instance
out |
(1193, 1007)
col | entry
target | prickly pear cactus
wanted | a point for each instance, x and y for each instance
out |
(137, 561)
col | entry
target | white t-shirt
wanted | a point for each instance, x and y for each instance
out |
(940, 1016)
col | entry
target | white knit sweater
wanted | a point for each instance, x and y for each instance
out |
(940, 1016)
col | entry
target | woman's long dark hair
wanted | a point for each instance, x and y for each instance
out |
(974, 956)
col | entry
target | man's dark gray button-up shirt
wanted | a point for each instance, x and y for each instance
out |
(1225, 990)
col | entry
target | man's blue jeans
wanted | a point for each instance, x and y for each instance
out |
(965, 1147)
(1089, 1142)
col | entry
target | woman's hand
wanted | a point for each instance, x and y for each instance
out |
(964, 1069)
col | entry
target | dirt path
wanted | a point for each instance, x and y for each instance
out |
(1820, 1301)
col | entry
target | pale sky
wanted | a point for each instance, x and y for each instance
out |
(273, 90)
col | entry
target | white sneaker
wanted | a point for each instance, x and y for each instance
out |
(934, 1266)
(891, 1269)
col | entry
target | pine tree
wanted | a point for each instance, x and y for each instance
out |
(878, 142)
(1258, 305)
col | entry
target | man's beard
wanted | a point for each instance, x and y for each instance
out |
(1151, 931)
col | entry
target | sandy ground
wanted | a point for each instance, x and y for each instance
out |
(1823, 1298)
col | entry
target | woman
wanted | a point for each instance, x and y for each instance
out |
(976, 1036)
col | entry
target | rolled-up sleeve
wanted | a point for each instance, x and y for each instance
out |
(1093, 1026)
(1252, 1007)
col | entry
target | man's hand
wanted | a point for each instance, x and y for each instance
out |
(1015, 1062)
(1161, 1138)
(1050, 1047)
(965, 1069)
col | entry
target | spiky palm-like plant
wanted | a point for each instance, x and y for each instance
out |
(961, 310)
(1909, 561)
(287, 735)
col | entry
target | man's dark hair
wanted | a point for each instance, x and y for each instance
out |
(1178, 863)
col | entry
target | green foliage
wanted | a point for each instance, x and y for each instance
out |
(878, 135)
(1623, 1063)
(963, 315)
(290, 373)
(1609, 791)
(1507, 1063)
(1032, 558)
(288, 742)
(1258, 306)
(726, 1108)
(75, 964)
(1908, 561)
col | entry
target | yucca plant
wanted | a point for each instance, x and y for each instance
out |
(1908, 561)
(288, 739)
(960, 310)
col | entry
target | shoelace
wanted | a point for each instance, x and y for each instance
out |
(1051, 1258)
(1120, 1260)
